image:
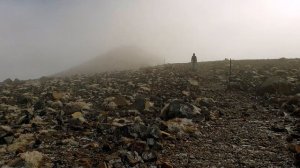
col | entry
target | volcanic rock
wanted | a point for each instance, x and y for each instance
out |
(21, 142)
(33, 159)
(179, 109)
(207, 102)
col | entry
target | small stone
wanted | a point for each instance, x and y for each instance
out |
(112, 105)
(70, 141)
(296, 113)
(138, 146)
(91, 145)
(33, 159)
(193, 82)
(214, 115)
(76, 124)
(158, 146)
(21, 142)
(207, 102)
(57, 104)
(192, 157)
(9, 139)
(150, 141)
(121, 122)
(153, 131)
(149, 156)
(166, 135)
(93, 86)
(78, 106)
(165, 165)
(78, 115)
(39, 105)
(181, 125)
(25, 119)
(121, 101)
(17, 162)
(2, 150)
(186, 93)
(139, 103)
(37, 121)
(144, 88)
(106, 148)
(113, 157)
(148, 105)
(57, 95)
(6, 128)
(133, 158)
(102, 165)
(85, 162)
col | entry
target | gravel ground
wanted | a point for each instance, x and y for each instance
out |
(159, 117)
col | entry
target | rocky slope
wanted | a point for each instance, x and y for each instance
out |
(164, 116)
(122, 58)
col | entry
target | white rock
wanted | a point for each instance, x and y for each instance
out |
(33, 159)
(193, 82)
(78, 115)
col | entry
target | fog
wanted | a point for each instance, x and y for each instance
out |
(43, 37)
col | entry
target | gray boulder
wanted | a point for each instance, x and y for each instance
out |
(179, 109)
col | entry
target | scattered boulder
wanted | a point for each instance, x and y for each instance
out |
(112, 103)
(21, 142)
(78, 106)
(193, 82)
(6, 133)
(139, 103)
(207, 102)
(56, 95)
(144, 89)
(179, 109)
(149, 156)
(33, 159)
(133, 158)
(79, 116)
(181, 126)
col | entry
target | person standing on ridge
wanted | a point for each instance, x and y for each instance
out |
(194, 61)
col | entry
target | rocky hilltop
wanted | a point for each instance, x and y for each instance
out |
(158, 117)
(122, 58)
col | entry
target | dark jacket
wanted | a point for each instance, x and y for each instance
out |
(194, 59)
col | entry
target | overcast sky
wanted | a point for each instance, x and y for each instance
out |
(41, 37)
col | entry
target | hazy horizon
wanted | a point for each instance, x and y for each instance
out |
(40, 38)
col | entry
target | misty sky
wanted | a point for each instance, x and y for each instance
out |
(42, 37)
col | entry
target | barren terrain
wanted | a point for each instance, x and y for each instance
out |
(164, 116)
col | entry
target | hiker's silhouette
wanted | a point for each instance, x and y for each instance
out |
(194, 61)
